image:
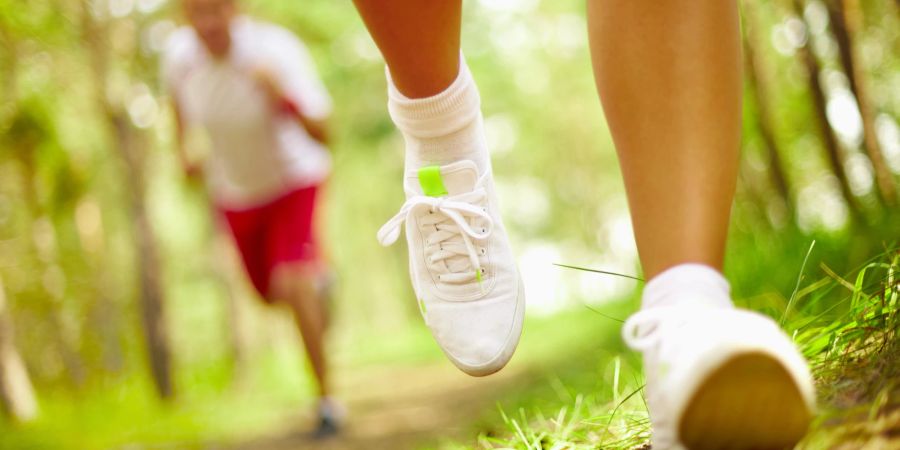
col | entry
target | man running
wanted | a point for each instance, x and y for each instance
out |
(254, 88)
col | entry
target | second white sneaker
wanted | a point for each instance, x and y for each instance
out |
(718, 377)
(461, 265)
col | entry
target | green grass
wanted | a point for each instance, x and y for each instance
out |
(213, 409)
(578, 378)
(845, 325)
(581, 388)
(212, 406)
(119, 412)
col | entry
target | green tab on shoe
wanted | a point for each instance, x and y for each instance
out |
(431, 181)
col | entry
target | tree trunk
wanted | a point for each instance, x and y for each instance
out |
(846, 21)
(223, 268)
(759, 94)
(16, 392)
(72, 363)
(71, 360)
(131, 147)
(833, 150)
(104, 316)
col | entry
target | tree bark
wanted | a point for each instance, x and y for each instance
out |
(759, 94)
(131, 147)
(833, 150)
(71, 360)
(846, 21)
(104, 316)
(16, 391)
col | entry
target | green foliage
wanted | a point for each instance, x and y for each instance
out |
(67, 251)
(847, 329)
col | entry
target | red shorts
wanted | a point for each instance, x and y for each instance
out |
(280, 231)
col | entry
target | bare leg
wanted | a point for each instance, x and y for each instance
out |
(433, 100)
(669, 75)
(419, 40)
(296, 286)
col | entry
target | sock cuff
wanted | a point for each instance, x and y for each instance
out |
(691, 283)
(441, 114)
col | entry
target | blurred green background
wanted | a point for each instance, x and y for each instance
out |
(101, 238)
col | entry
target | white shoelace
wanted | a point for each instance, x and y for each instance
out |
(453, 233)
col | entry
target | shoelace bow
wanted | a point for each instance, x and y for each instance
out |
(449, 215)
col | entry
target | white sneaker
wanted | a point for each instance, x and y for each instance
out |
(720, 377)
(461, 265)
(331, 418)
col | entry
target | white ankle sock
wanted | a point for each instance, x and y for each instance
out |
(444, 128)
(687, 284)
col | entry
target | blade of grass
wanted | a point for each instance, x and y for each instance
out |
(606, 316)
(616, 409)
(797, 286)
(836, 277)
(599, 271)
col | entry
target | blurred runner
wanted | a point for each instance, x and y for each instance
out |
(253, 88)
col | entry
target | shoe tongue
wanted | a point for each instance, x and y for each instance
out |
(453, 179)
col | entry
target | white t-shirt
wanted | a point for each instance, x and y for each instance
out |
(257, 153)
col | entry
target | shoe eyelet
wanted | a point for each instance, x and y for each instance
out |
(483, 251)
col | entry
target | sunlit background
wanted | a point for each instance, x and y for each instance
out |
(96, 218)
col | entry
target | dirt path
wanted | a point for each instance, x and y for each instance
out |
(407, 407)
(399, 407)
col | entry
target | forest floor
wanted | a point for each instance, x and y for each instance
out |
(571, 386)
(433, 405)
(400, 408)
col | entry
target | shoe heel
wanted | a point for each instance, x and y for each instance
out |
(750, 402)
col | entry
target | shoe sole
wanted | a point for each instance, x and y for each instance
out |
(750, 402)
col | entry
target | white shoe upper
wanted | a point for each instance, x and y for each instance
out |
(682, 345)
(461, 265)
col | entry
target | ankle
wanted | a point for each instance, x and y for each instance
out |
(688, 283)
(443, 128)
